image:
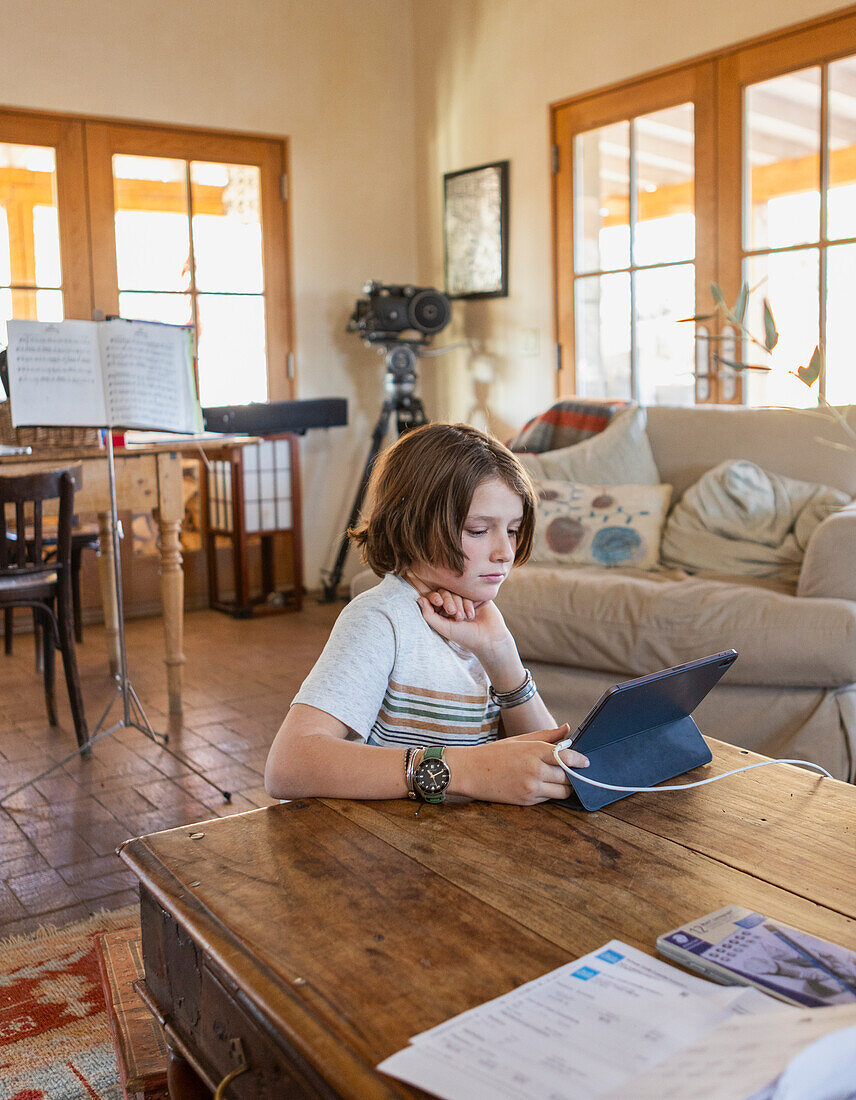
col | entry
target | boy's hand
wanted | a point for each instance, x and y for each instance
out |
(479, 628)
(519, 770)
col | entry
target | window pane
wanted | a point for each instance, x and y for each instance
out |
(5, 250)
(28, 305)
(231, 349)
(790, 280)
(29, 230)
(841, 211)
(602, 311)
(840, 369)
(46, 246)
(665, 171)
(782, 127)
(152, 223)
(665, 349)
(227, 231)
(169, 309)
(602, 198)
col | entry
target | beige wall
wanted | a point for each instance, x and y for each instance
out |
(335, 77)
(486, 72)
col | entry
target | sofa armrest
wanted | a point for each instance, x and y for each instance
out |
(829, 565)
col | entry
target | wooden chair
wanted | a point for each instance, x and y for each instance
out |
(83, 539)
(28, 580)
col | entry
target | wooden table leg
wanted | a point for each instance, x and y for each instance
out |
(109, 600)
(183, 1082)
(170, 515)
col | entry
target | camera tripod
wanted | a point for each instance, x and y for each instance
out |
(399, 383)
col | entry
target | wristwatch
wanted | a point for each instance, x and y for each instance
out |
(432, 775)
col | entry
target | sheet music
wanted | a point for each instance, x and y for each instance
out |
(117, 374)
(55, 374)
(147, 376)
(578, 1032)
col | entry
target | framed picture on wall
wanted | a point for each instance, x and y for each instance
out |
(475, 231)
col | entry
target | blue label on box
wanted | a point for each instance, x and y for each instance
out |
(750, 921)
(585, 972)
(610, 956)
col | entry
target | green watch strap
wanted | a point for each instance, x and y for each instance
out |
(433, 752)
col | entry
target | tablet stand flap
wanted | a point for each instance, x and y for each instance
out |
(642, 759)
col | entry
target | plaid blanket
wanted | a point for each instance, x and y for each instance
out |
(566, 422)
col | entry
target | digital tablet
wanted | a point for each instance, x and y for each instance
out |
(641, 732)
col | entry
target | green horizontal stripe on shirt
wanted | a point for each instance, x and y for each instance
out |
(447, 714)
(442, 705)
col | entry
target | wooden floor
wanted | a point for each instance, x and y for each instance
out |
(58, 838)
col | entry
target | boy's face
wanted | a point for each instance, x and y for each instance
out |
(489, 542)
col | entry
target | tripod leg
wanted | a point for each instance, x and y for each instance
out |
(335, 574)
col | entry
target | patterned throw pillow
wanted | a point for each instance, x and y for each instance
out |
(607, 525)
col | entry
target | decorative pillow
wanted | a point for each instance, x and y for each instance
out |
(600, 524)
(619, 455)
(740, 520)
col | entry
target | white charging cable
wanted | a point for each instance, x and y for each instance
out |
(681, 786)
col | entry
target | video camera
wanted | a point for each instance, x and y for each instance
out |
(388, 311)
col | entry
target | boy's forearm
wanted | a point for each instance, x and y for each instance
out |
(326, 767)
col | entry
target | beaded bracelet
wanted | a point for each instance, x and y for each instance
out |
(522, 694)
(410, 758)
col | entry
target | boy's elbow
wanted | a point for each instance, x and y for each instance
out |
(279, 776)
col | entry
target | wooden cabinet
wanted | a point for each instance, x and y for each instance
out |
(251, 501)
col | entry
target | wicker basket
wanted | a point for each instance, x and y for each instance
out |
(57, 439)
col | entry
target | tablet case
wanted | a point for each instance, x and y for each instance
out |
(640, 733)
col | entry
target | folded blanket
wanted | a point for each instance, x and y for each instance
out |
(739, 519)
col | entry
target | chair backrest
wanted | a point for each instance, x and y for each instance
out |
(22, 497)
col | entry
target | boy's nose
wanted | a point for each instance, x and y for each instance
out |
(502, 550)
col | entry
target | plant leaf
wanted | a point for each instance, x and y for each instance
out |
(811, 373)
(735, 365)
(718, 296)
(771, 336)
(740, 304)
(697, 317)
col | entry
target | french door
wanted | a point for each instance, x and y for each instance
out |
(737, 170)
(179, 226)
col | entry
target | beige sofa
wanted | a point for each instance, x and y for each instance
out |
(792, 692)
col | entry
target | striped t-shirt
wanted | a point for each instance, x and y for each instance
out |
(392, 680)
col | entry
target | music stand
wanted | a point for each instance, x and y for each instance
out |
(133, 715)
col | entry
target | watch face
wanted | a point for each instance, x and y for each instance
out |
(432, 776)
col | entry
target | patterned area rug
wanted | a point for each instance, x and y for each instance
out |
(55, 1039)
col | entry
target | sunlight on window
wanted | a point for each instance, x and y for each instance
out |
(232, 347)
(172, 253)
(790, 281)
(5, 253)
(46, 240)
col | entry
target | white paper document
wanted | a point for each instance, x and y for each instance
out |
(809, 1054)
(116, 374)
(578, 1032)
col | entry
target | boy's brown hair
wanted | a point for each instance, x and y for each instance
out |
(421, 490)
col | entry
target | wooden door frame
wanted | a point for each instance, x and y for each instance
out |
(65, 135)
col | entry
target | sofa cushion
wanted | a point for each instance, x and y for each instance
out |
(591, 618)
(619, 455)
(609, 525)
(740, 519)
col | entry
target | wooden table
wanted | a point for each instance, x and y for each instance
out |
(148, 478)
(322, 934)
